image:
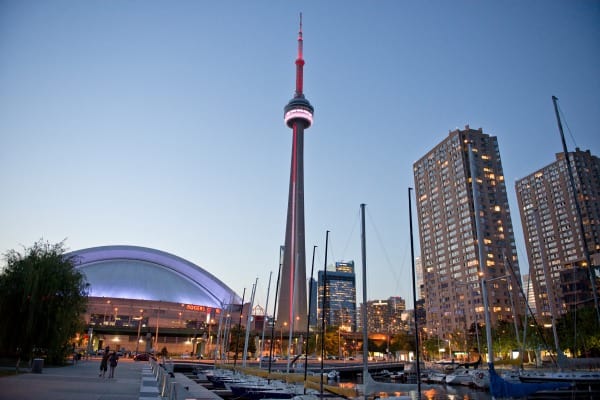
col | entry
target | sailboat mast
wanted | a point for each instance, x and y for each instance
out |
(479, 233)
(248, 321)
(363, 248)
(323, 304)
(265, 320)
(549, 286)
(310, 289)
(237, 338)
(586, 251)
(281, 252)
(414, 288)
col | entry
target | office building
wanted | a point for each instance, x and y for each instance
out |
(448, 237)
(337, 292)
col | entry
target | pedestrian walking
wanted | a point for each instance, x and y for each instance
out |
(113, 361)
(104, 362)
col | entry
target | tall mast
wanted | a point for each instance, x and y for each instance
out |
(586, 252)
(414, 290)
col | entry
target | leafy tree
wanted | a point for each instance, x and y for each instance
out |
(503, 339)
(238, 337)
(401, 341)
(431, 348)
(578, 332)
(43, 300)
(332, 343)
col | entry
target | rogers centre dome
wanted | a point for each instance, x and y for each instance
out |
(131, 272)
(142, 299)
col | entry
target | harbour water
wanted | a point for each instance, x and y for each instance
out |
(443, 391)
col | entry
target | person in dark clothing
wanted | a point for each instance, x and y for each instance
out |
(112, 362)
(104, 362)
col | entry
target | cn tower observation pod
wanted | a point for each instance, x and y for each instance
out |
(131, 272)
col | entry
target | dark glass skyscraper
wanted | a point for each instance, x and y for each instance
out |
(340, 297)
(298, 115)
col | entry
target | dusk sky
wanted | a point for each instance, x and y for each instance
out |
(160, 124)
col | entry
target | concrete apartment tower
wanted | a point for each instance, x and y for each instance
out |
(298, 115)
(447, 234)
(557, 263)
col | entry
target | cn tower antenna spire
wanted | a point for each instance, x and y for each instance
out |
(299, 64)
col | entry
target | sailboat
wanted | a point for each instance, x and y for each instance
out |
(586, 378)
(499, 387)
(371, 386)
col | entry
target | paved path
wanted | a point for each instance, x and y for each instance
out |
(133, 381)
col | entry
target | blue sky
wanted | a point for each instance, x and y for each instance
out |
(160, 124)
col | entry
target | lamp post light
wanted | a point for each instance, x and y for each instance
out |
(116, 311)
(105, 311)
(137, 343)
(281, 335)
(209, 341)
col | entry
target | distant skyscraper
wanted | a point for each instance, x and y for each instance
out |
(449, 248)
(340, 298)
(298, 115)
(552, 230)
(386, 316)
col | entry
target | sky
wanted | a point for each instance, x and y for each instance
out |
(160, 124)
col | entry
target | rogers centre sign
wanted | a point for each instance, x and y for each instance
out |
(194, 307)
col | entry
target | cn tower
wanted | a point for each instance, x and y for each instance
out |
(298, 115)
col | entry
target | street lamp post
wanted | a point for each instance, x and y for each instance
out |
(281, 337)
(137, 343)
(208, 342)
(105, 311)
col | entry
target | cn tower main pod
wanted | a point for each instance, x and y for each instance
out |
(298, 115)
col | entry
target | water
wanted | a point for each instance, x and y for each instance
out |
(445, 392)
(453, 393)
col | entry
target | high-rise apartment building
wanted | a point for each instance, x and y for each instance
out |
(386, 316)
(529, 293)
(340, 296)
(419, 273)
(552, 229)
(448, 237)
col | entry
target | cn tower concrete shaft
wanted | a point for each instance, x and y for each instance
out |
(298, 115)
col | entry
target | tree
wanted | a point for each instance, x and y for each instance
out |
(578, 332)
(431, 348)
(332, 344)
(43, 300)
(238, 337)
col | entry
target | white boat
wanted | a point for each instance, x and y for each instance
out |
(574, 377)
(461, 376)
(434, 377)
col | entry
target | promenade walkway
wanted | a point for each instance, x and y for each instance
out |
(132, 381)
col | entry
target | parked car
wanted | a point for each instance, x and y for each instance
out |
(143, 357)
